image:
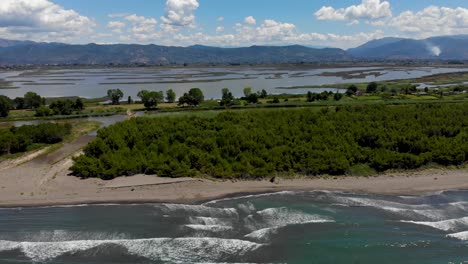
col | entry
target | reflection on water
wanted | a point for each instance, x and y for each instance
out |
(286, 227)
(93, 83)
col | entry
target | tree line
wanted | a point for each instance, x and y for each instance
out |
(260, 143)
(21, 139)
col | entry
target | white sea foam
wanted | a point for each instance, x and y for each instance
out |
(382, 203)
(246, 207)
(405, 210)
(199, 210)
(446, 225)
(263, 235)
(65, 235)
(283, 216)
(210, 228)
(202, 220)
(178, 250)
(250, 196)
(266, 222)
(461, 235)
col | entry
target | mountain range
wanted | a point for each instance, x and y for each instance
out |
(14, 52)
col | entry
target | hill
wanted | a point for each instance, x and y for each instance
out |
(39, 54)
(13, 52)
(441, 48)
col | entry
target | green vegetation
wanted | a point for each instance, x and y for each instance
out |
(150, 98)
(61, 107)
(115, 95)
(24, 138)
(193, 98)
(32, 100)
(5, 106)
(257, 143)
(227, 99)
(170, 96)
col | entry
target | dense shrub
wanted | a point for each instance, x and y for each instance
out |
(259, 143)
(18, 139)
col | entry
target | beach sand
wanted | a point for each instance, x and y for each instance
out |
(45, 181)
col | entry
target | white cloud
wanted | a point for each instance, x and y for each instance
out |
(219, 29)
(367, 10)
(117, 15)
(143, 28)
(250, 20)
(220, 19)
(269, 32)
(116, 26)
(42, 19)
(433, 20)
(179, 13)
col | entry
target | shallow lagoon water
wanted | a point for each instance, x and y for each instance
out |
(93, 83)
(285, 227)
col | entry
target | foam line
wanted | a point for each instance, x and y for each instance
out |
(446, 225)
(178, 250)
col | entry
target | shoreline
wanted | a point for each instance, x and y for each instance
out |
(44, 181)
(199, 191)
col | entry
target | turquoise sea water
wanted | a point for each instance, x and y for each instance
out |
(285, 227)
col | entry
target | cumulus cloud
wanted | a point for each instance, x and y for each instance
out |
(367, 10)
(220, 19)
(142, 28)
(179, 13)
(116, 26)
(32, 17)
(219, 29)
(433, 20)
(250, 20)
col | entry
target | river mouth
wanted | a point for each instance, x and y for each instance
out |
(284, 227)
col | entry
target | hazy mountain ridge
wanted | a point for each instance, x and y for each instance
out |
(154, 54)
(14, 52)
(443, 48)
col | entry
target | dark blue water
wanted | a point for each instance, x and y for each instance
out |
(286, 227)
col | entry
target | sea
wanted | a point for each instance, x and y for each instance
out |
(284, 227)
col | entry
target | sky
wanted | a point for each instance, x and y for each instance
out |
(230, 23)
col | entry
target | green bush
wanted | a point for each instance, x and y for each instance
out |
(18, 139)
(260, 143)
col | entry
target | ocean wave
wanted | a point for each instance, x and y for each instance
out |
(210, 228)
(358, 201)
(203, 220)
(251, 196)
(176, 250)
(198, 210)
(278, 218)
(408, 211)
(263, 235)
(445, 225)
(247, 207)
(461, 235)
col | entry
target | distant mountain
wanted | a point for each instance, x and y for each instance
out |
(443, 48)
(9, 43)
(14, 52)
(358, 51)
(54, 53)
(4, 43)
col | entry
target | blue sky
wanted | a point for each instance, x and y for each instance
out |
(334, 23)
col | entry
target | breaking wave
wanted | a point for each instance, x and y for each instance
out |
(176, 250)
(446, 225)
(267, 222)
(461, 235)
(197, 210)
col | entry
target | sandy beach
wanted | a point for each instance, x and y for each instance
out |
(45, 180)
